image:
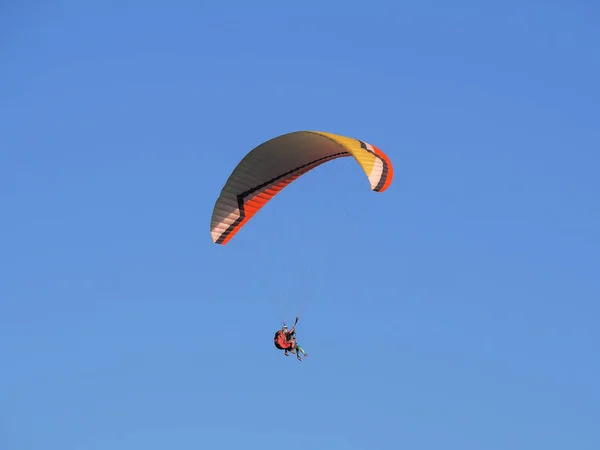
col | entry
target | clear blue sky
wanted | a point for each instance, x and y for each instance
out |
(459, 310)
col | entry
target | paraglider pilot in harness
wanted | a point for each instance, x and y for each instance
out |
(286, 340)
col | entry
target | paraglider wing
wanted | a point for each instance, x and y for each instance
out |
(274, 164)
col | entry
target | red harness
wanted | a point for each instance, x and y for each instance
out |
(281, 342)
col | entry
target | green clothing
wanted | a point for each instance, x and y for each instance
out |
(300, 349)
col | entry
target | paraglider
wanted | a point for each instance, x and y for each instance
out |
(286, 340)
(274, 164)
(268, 168)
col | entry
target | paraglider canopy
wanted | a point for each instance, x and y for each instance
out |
(274, 164)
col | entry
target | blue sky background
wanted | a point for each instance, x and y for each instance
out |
(457, 311)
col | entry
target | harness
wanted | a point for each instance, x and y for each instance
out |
(281, 342)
